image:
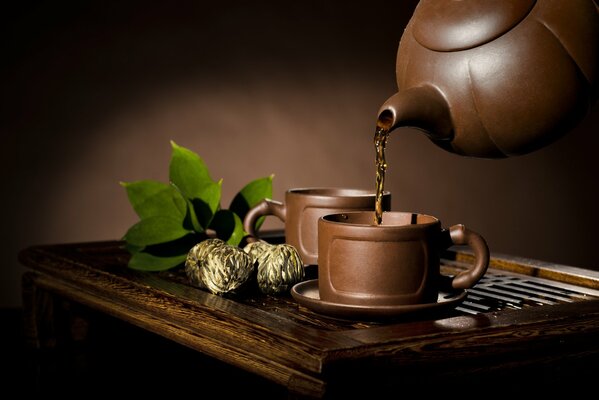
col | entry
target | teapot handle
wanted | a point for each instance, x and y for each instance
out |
(264, 208)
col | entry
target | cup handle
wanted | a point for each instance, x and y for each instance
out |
(460, 235)
(265, 207)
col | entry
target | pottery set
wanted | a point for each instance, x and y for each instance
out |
(487, 78)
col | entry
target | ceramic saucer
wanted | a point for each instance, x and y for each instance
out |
(306, 294)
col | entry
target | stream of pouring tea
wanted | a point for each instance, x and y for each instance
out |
(380, 141)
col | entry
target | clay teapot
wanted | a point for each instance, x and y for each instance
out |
(495, 78)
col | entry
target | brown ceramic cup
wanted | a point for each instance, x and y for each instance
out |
(302, 209)
(392, 264)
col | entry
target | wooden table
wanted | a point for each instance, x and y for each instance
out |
(524, 316)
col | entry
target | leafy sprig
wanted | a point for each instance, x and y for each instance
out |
(175, 216)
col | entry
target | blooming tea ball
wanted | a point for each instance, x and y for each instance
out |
(196, 258)
(225, 269)
(279, 268)
(256, 249)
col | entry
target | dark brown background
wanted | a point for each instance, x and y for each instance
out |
(92, 94)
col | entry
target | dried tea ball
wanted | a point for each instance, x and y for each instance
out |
(197, 256)
(225, 269)
(279, 268)
(256, 249)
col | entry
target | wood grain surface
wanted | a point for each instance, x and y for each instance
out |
(310, 354)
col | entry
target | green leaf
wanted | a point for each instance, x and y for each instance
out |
(238, 233)
(132, 248)
(154, 230)
(188, 172)
(149, 198)
(149, 262)
(159, 257)
(250, 195)
(191, 219)
(228, 227)
(175, 216)
(208, 204)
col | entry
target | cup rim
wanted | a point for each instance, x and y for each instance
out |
(334, 191)
(328, 218)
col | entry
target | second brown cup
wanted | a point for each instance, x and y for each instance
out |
(302, 209)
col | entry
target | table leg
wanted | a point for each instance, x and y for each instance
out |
(49, 319)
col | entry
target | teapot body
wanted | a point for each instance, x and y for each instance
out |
(508, 77)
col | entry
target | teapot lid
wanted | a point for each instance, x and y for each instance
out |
(451, 25)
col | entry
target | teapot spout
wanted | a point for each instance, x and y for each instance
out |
(422, 107)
